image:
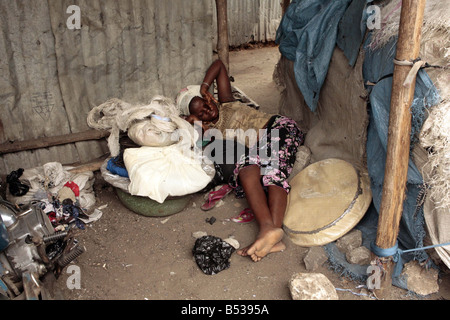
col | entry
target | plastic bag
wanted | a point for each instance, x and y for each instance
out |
(114, 167)
(114, 179)
(212, 254)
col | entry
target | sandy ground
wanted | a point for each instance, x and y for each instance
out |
(133, 257)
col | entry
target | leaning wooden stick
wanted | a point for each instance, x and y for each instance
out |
(398, 149)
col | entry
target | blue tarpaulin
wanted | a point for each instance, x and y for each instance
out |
(352, 29)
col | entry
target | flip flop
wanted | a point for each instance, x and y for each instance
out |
(245, 216)
(215, 196)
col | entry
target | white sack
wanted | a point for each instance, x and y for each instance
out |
(154, 125)
(143, 133)
(160, 172)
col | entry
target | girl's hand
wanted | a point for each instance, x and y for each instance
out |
(208, 96)
(192, 119)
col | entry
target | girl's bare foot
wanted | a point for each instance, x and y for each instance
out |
(280, 246)
(267, 242)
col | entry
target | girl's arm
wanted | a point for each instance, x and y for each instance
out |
(217, 71)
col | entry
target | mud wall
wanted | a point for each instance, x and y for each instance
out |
(338, 129)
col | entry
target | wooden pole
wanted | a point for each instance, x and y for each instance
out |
(47, 142)
(222, 33)
(397, 158)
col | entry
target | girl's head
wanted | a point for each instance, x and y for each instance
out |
(203, 110)
(194, 107)
(185, 97)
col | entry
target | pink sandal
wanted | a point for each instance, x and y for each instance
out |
(216, 196)
(245, 216)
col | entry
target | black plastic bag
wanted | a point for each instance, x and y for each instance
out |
(212, 254)
(17, 188)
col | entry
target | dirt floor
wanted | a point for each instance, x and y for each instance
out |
(133, 257)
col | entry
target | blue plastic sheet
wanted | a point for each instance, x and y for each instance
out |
(352, 29)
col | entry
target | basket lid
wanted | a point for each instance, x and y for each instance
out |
(327, 199)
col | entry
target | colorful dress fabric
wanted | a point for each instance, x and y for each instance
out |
(275, 153)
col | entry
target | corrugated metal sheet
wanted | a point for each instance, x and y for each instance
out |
(251, 20)
(51, 76)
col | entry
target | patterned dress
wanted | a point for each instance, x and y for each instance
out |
(275, 148)
(275, 154)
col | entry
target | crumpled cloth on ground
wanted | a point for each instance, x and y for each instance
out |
(212, 254)
(51, 178)
(17, 188)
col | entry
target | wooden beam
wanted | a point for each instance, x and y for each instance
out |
(46, 142)
(223, 48)
(398, 149)
(92, 165)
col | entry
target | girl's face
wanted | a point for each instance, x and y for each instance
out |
(203, 110)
